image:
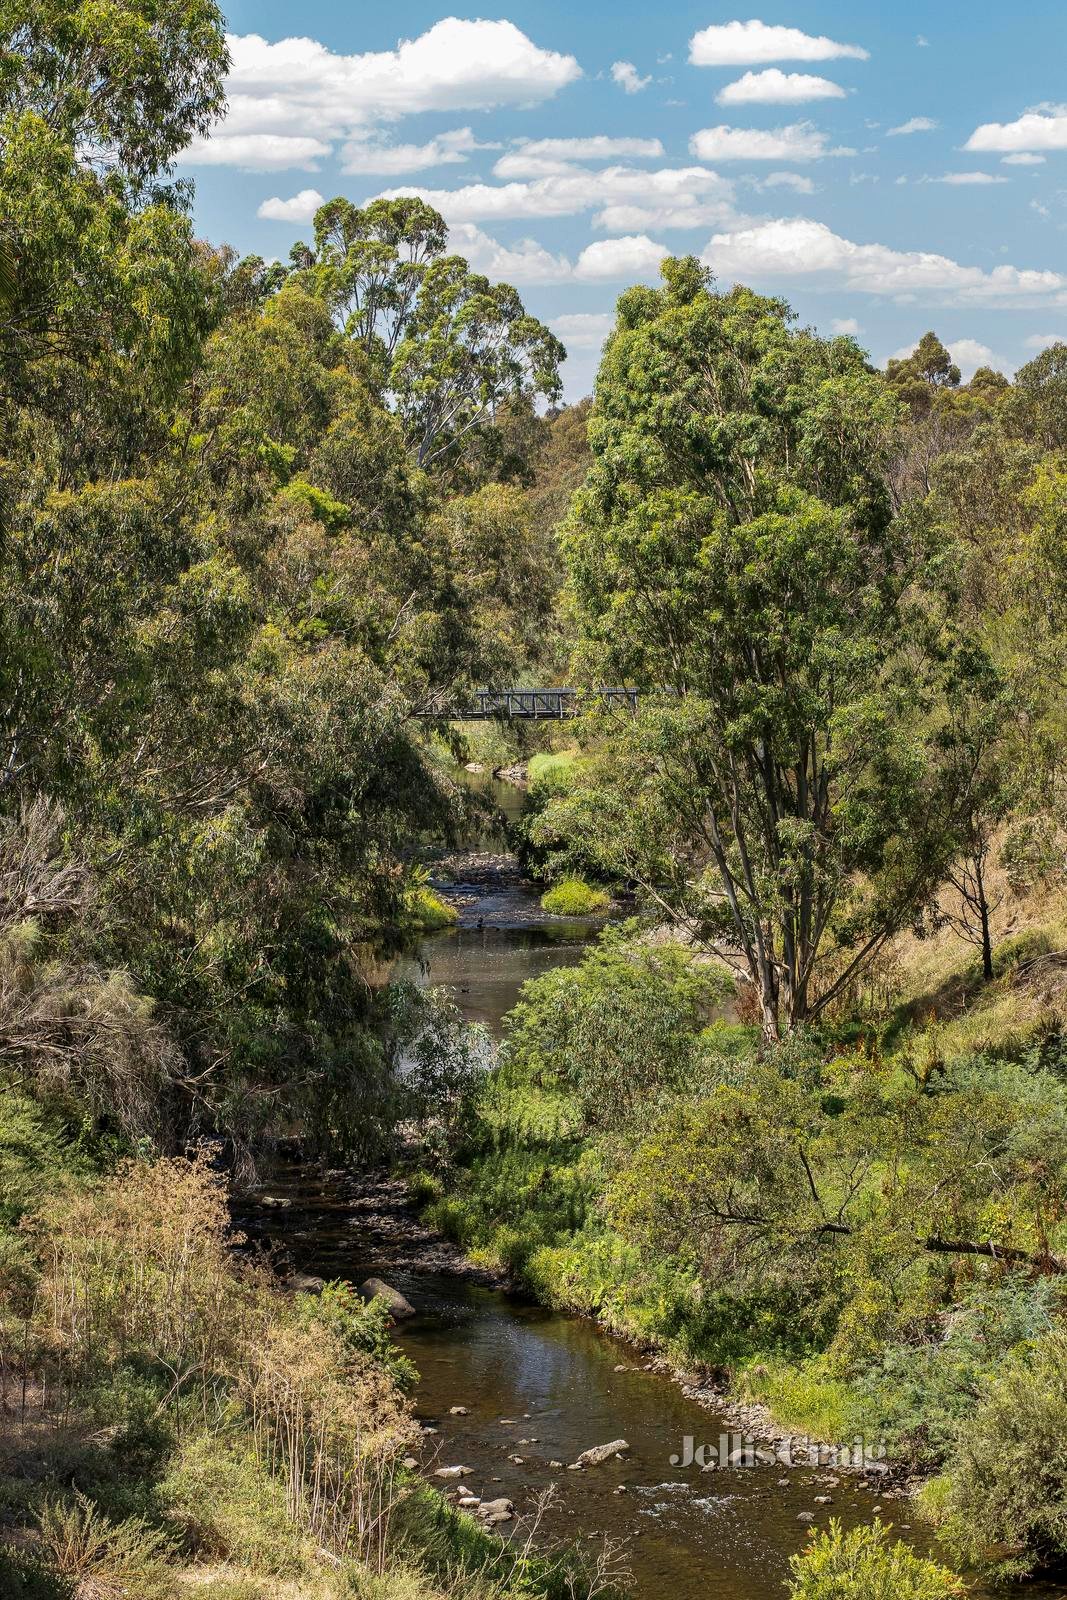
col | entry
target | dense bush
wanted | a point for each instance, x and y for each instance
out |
(865, 1565)
(1006, 1506)
(573, 897)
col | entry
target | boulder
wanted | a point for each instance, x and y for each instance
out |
(494, 1511)
(451, 1472)
(376, 1289)
(601, 1452)
(304, 1283)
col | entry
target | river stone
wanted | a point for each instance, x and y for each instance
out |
(451, 1472)
(601, 1452)
(501, 1510)
(304, 1283)
(555, 1463)
(376, 1289)
(824, 1499)
(518, 1460)
(273, 1202)
(458, 1411)
(806, 1516)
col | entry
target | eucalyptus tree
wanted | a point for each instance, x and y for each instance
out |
(446, 348)
(734, 547)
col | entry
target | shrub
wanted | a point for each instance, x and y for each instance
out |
(1006, 1509)
(573, 897)
(864, 1565)
(227, 1508)
(430, 913)
(102, 1558)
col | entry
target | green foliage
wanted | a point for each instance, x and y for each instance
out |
(361, 1327)
(741, 556)
(616, 1030)
(1005, 1510)
(227, 1508)
(865, 1564)
(573, 897)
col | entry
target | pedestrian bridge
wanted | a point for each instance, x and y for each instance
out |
(539, 705)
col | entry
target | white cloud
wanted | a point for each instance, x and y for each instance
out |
(774, 87)
(635, 256)
(279, 90)
(301, 208)
(914, 125)
(792, 247)
(1044, 129)
(1023, 159)
(963, 179)
(522, 263)
(628, 78)
(1044, 341)
(542, 158)
(786, 180)
(583, 330)
(256, 152)
(372, 156)
(574, 190)
(529, 262)
(845, 325)
(739, 44)
(683, 213)
(801, 141)
(594, 147)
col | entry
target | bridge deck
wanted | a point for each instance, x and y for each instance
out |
(541, 704)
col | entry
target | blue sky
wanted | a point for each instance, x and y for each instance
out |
(571, 146)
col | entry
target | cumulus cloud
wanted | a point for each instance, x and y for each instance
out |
(583, 330)
(374, 157)
(524, 262)
(256, 152)
(541, 158)
(801, 141)
(682, 213)
(847, 325)
(277, 91)
(1041, 129)
(740, 44)
(634, 256)
(628, 78)
(1044, 341)
(792, 247)
(574, 190)
(301, 208)
(774, 87)
(785, 180)
(1023, 158)
(528, 262)
(913, 125)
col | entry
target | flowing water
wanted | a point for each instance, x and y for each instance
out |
(538, 1387)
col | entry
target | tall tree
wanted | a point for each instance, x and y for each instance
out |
(447, 348)
(733, 548)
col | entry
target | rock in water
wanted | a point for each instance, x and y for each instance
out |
(601, 1452)
(452, 1472)
(376, 1289)
(304, 1283)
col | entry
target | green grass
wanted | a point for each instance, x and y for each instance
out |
(429, 912)
(573, 897)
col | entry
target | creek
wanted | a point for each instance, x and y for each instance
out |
(538, 1387)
